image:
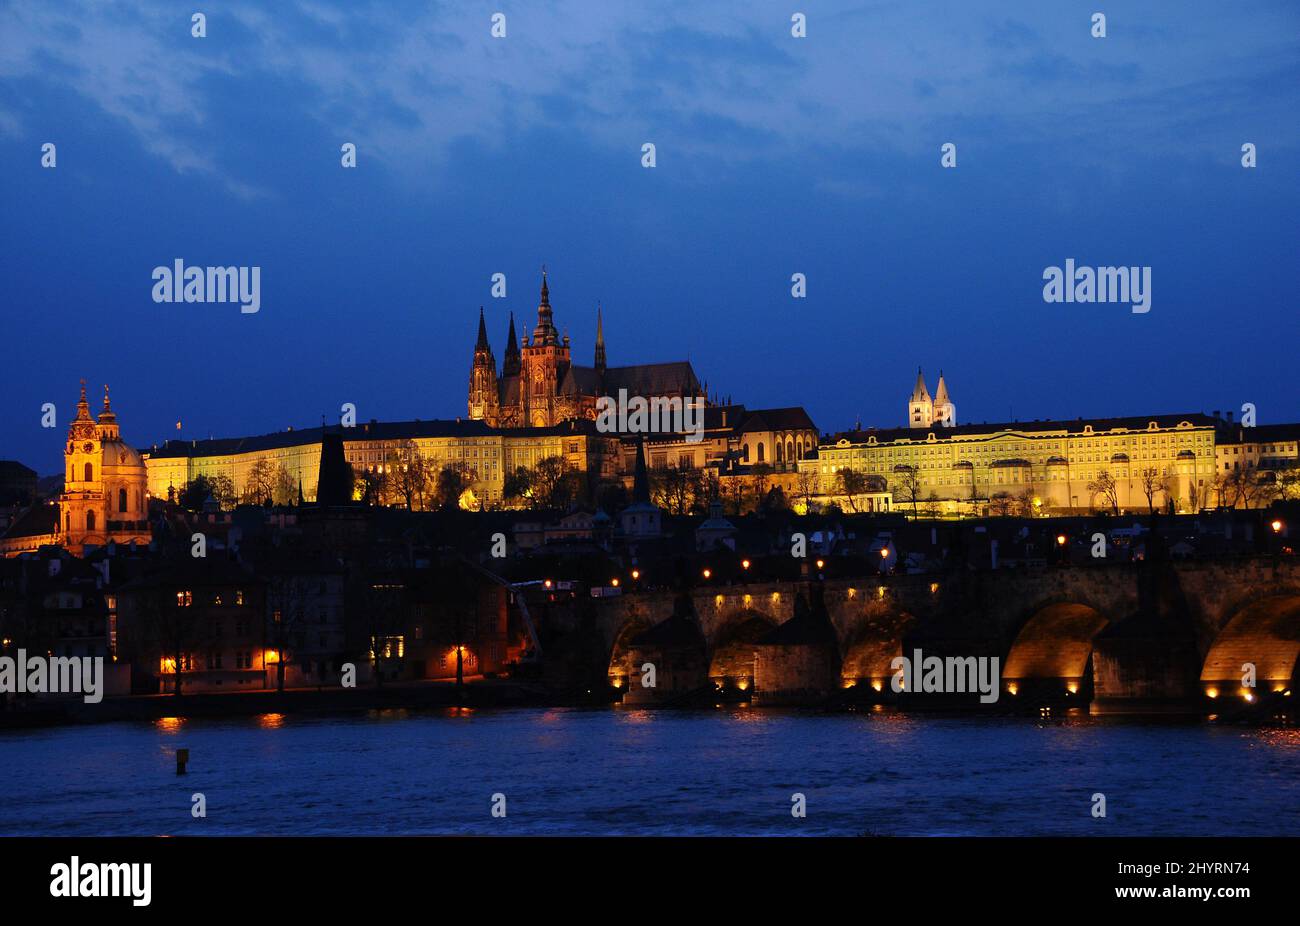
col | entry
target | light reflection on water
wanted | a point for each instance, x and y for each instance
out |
(730, 770)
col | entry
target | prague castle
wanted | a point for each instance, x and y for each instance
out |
(539, 386)
(540, 406)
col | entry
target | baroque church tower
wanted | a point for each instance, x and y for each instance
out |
(104, 491)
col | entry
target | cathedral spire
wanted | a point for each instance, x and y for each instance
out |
(510, 366)
(600, 343)
(482, 343)
(545, 332)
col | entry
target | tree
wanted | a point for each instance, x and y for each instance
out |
(519, 486)
(260, 484)
(674, 488)
(907, 485)
(287, 598)
(850, 483)
(551, 481)
(407, 476)
(283, 489)
(1025, 503)
(454, 480)
(369, 485)
(1001, 504)
(1288, 483)
(195, 492)
(1105, 486)
(761, 473)
(1252, 486)
(806, 487)
(223, 491)
(1154, 482)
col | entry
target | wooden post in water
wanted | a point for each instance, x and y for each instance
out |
(182, 757)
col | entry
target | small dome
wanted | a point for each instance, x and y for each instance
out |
(120, 457)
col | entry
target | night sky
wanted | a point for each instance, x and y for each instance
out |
(775, 155)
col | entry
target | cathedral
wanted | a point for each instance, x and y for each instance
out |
(538, 386)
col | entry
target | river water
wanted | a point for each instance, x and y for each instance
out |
(619, 771)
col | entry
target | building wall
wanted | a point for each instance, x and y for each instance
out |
(1055, 466)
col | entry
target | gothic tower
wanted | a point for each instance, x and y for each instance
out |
(510, 366)
(920, 409)
(944, 411)
(483, 395)
(544, 361)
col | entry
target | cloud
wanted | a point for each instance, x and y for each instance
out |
(721, 83)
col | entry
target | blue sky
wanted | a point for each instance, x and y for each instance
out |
(775, 155)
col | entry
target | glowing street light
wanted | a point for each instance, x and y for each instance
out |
(708, 573)
(821, 563)
(636, 574)
(1060, 540)
(614, 582)
(548, 583)
(1277, 526)
(744, 564)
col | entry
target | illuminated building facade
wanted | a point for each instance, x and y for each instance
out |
(489, 454)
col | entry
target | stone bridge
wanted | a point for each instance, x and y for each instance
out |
(1122, 636)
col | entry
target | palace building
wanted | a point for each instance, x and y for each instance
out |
(282, 465)
(539, 386)
(1050, 465)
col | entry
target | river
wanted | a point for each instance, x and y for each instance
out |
(619, 771)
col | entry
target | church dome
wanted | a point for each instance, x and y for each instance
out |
(121, 459)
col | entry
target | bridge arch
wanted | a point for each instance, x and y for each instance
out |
(1052, 652)
(1265, 632)
(622, 647)
(872, 647)
(731, 658)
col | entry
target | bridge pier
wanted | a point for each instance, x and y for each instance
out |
(798, 662)
(1144, 673)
